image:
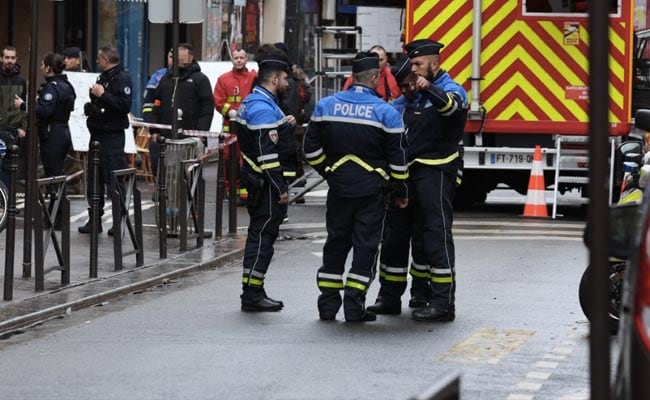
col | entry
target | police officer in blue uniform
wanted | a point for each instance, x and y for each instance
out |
(435, 128)
(55, 102)
(356, 141)
(107, 112)
(265, 137)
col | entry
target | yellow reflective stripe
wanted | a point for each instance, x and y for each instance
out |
(392, 278)
(226, 128)
(447, 106)
(635, 195)
(289, 173)
(356, 285)
(251, 163)
(147, 109)
(316, 161)
(459, 181)
(419, 274)
(234, 99)
(399, 176)
(252, 281)
(436, 161)
(331, 285)
(225, 109)
(270, 165)
(444, 279)
(360, 162)
(242, 191)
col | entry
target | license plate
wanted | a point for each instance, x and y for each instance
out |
(511, 158)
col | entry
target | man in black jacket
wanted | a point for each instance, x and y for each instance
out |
(194, 98)
(107, 112)
(13, 118)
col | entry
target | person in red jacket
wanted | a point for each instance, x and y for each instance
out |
(231, 88)
(386, 78)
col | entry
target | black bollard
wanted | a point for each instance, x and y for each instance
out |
(12, 157)
(95, 201)
(162, 200)
(221, 188)
(232, 198)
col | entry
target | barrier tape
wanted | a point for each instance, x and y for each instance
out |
(187, 132)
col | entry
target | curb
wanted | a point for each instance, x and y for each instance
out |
(24, 321)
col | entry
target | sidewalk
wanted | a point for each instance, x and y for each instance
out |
(28, 306)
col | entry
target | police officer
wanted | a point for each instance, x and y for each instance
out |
(435, 169)
(265, 137)
(399, 236)
(55, 102)
(107, 112)
(356, 141)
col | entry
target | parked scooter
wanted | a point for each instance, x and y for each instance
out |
(636, 174)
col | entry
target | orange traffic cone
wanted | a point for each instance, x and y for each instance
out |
(536, 195)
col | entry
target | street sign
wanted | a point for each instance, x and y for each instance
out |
(191, 12)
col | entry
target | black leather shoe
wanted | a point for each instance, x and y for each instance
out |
(430, 314)
(110, 232)
(86, 228)
(275, 301)
(386, 308)
(327, 316)
(417, 302)
(263, 305)
(366, 316)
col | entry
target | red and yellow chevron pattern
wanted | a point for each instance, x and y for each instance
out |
(534, 78)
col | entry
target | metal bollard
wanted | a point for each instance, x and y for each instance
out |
(11, 223)
(221, 188)
(162, 200)
(232, 198)
(95, 202)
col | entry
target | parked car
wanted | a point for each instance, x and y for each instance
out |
(630, 232)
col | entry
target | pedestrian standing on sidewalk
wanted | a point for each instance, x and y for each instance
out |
(230, 90)
(75, 60)
(53, 107)
(13, 115)
(435, 129)
(387, 87)
(108, 116)
(261, 126)
(356, 141)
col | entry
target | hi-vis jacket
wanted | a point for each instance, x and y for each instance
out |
(265, 138)
(435, 121)
(232, 87)
(356, 140)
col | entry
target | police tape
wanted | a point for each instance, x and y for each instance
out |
(149, 125)
(188, 132)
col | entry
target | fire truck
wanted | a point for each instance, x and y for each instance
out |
(524, 64)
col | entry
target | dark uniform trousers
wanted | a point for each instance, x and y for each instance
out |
(355, 223)
(435, 189)
(111, 158)
(265, 218)
(55, 148)
(399, 238)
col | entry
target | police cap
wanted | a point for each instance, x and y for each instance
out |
(364, 61)
(72, 52)
(274, 62)
(402, 70)
(423, 47)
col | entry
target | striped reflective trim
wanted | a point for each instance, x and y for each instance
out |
(147, 109)
(442, 279)
(325, 275)
(316, 161)
(226, 128)
(436, 161)
(251, 163)
(314, 154)
(395, 175)
(419, 274)
(289, 174)
(272, 125)
(234, 99)
(254, 273)
(270, 165)
(392, 278)
(225, 108)
(356, 285)
(394, 270)
(266, 157)
(442, 271)
(330, 285)
(459, 180)
(252, 281)
(401, 168)
(420, 267)
(358, 277)
(360, 162)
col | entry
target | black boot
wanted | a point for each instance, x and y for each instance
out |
(87, 228)
(386, 306)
